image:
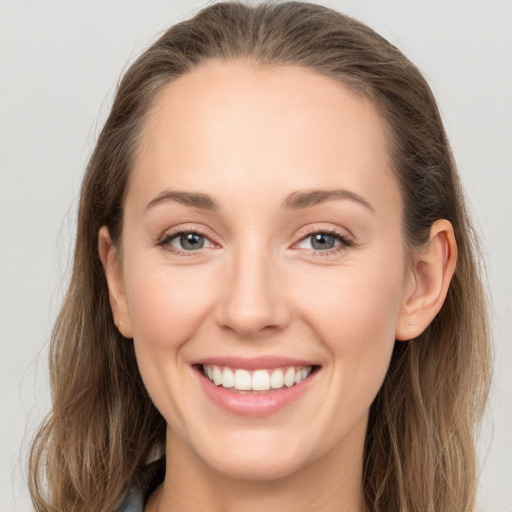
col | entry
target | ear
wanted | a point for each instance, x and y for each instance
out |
(116, 292)
(428, 281)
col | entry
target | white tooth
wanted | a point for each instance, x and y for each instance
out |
(298, 376)
(228, 378)
(277, 379)
(303, 374)
(289, 377)
(217, 375)
(260, 380)
(209, 372)
(242, 380)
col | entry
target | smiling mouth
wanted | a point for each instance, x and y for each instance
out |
(240, 380)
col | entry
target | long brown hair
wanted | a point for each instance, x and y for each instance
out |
(419, 453)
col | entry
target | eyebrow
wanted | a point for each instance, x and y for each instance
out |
(308, 198)
(295, 201)
(195, 199)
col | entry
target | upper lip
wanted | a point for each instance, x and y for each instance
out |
(252, 363)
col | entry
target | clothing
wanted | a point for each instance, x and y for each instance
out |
(137, 495)
(133, 502)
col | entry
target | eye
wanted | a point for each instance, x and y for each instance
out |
(324, 241)
(320, 241)
(183, 242)
(188, 241)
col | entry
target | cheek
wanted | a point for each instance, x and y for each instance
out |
(166, 310)
(355, 321)
(355, 317)
(165, 306)
(352, 301)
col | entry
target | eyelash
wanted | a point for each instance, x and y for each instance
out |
(168, 237)
(345, 242)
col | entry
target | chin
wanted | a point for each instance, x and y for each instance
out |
(257, 459)
(262, 469)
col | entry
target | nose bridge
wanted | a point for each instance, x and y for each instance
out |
(253, 300)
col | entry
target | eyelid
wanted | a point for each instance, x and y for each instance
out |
(172, 233)
(313, 229)
(326, 227)
(345, 238)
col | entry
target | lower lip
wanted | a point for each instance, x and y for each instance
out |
(260, 404)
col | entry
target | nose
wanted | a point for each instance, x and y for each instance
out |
(253, 302)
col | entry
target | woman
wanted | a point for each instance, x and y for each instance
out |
(275, 283)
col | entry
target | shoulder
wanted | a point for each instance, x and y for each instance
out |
(136, 496)
(132, 502)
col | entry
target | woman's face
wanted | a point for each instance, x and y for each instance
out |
(261, 245)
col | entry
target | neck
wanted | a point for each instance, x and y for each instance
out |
(331, 482)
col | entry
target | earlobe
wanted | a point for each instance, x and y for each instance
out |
(430, 277)
(113, 272)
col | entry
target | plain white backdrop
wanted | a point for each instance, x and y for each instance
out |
(59, 65)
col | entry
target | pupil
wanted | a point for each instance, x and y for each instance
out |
(323, 241)
(191, 241)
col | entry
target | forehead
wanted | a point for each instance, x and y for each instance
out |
(267, 127)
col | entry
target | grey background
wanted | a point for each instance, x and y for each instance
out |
(59, 64)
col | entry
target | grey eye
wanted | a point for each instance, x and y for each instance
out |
(189, 241)
(322, 241)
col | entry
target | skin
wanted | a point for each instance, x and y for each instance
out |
(249, 137)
